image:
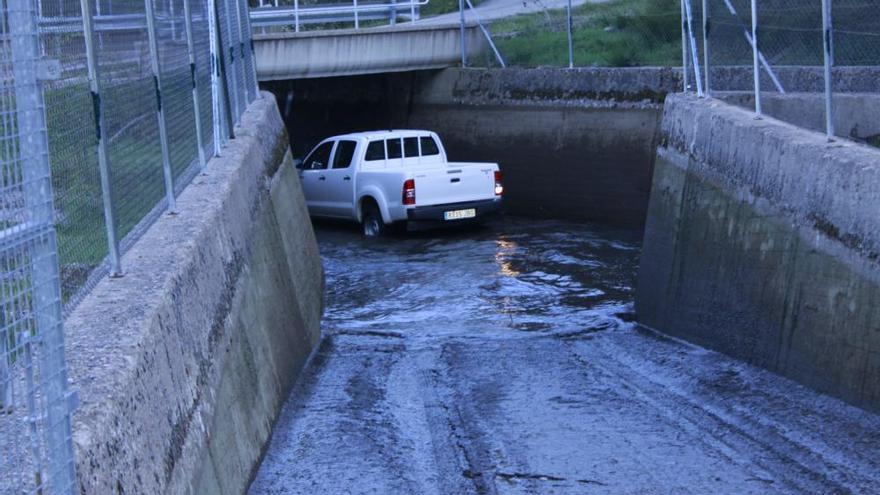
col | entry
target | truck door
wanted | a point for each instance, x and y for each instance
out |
(313, 176)
(340, 181)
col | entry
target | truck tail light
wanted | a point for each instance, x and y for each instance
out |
(499, 189)
(409, 192)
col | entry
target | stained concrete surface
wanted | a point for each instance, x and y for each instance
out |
(503, 360)
(762, 243)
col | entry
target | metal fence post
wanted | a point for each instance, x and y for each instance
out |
(392, 13)
(828, 38)
(104, 168)
(707, 29)
(684, 49)
(486, 34)
(217, 111)
(226, 107)
(160, 112)
(755, 61)
(463, 40)
(231, 70)
(253, 51)
(246, 92)
(570, 41)
(190, 46)
(45, 281)
(694, 51)
(295, 15)
(357, 24)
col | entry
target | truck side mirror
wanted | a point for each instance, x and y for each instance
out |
(298, 163)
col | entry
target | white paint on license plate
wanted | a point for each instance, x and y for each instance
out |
(460, 214)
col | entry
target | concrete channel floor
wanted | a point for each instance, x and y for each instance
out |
(503, 360)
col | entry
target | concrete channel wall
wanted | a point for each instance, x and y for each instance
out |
(183, 363)
(571, 143)
(763, 241)
(855, 114)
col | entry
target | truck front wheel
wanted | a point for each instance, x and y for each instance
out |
(372, 223)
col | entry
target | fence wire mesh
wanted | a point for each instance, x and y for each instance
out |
(34, 404)
(616, 33)
(52, 139)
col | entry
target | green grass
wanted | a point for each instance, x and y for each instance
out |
(619, 33)
(437, 7)
(135, 161)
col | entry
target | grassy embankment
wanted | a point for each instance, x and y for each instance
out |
(618, 33)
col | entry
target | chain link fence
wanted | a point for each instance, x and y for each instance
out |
(768, 47)
(614, 33)
(108, 109)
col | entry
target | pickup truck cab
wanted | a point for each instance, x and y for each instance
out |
(387, 177)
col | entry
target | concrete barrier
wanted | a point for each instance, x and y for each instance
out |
(183, 363)
(855, 114)
(763, 242)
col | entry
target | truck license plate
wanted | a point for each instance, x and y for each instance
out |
(460, 214)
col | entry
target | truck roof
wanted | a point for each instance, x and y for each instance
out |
(370, 135)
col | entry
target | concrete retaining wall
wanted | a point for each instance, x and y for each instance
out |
(855, 114)
(183, 363)
(763, 242)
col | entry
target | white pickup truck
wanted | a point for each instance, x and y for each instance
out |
(385, 177)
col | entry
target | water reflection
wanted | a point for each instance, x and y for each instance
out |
(514, 274)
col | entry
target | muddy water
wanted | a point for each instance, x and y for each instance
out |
(514, 274)
(502, 360)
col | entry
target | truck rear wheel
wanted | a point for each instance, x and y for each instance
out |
(372, 224)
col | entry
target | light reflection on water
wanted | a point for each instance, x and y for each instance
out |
(513, 274)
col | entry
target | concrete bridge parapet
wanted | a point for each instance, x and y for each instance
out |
(347, 52)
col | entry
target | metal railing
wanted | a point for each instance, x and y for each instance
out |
(353, 13)
(108, 109)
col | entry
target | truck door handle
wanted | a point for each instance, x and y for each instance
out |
(322, 178)
(455, 180)
(346, 178)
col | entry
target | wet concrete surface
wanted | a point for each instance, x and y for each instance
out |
(504, 360)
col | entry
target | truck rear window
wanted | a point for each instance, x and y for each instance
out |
(375, 151)
(410, 147)
(429, 146)
(394, 149)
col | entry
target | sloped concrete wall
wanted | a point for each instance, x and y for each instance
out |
(763, 241)
(182, 364)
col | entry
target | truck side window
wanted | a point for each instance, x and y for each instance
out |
(410, 147)
(320, 158)
(429, 146)
(344, 154)
(394, 149)
(375, 151)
